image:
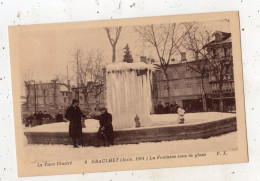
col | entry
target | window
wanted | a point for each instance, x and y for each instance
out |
(226, 76)
(225, 52)
(65, 99)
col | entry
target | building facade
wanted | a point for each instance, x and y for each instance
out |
(55, 96)
(185, 87)
(47, 96)
(185, 84)
(221, 50)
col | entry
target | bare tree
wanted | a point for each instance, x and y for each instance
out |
(220, 66)
(166, 39)
(113, 41)
(89, 73)
(212, 58)
(27, 77)
(92, 71)
(196, 39)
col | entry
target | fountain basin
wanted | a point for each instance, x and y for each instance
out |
(204, 127)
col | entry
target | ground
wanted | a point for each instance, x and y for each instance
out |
(225, 142)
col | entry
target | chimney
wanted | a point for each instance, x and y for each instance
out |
(143, 59)
(183, 56)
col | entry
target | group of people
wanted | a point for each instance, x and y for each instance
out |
(170, 109)
(105, 133)
(39, 117)
(167, 109)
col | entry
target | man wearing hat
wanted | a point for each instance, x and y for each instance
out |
(105, 132)
(74, 114)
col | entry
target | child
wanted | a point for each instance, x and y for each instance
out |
(137, 122)
(180, 112)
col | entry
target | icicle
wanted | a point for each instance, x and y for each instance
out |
(129, 93)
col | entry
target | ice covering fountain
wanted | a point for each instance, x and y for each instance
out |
(129, 93)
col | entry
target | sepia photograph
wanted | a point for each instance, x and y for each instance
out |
(128, 94)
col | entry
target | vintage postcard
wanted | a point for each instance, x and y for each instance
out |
(128, 94)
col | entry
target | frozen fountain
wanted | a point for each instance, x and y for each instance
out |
(129, 93)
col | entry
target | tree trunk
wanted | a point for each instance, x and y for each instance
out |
(167, 84)
(114, 54)
(203, 95)
(221, 101)
(44, 98)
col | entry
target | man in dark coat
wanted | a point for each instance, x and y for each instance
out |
(46, 118)
(39, 117)
(166, 109)
(29, 120)
(74, 114)
(46, 115)
(59, 117)
(105, 132)
(173, 108)
(159, 108)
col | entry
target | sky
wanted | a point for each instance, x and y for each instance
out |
(46, 51)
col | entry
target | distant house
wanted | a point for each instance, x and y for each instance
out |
(47, 96)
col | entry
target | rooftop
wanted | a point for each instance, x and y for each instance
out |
(223, 38)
